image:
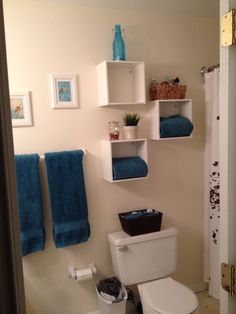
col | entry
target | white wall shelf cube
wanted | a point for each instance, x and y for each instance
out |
(122, 148)
(165, 108)
(121, 83)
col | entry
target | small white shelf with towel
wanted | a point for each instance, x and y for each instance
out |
(165, 108)
(122, 148)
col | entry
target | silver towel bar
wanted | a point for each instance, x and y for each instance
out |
(83, 149)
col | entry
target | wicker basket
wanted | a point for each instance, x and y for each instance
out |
(141, 225)
(167, 91)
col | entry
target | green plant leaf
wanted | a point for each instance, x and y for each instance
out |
(131, 119)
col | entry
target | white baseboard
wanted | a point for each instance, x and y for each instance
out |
(198, 287)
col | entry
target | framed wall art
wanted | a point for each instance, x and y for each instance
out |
(64, 91)
(20, 102)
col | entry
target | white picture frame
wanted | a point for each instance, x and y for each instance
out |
(20, 105)
(64, 91)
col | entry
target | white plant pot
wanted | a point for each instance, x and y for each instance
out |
(130, 132)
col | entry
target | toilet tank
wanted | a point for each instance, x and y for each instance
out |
(144, 257)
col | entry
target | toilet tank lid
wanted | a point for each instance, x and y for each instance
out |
(122, 238)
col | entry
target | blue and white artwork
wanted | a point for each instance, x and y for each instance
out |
(20, 105)
(17, 108)
(64, 91)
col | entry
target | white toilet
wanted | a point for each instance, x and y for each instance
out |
(148, 260)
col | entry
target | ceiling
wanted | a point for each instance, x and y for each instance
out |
(204, 8)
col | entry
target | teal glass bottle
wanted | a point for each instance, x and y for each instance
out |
(118, 45)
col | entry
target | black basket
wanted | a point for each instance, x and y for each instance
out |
(141, 225)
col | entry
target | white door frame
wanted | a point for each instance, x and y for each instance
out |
(227, 159)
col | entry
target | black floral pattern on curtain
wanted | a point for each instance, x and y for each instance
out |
(215, 198)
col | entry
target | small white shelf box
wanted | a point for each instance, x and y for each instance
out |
(166, 108)
(121, 83)
(122, 148)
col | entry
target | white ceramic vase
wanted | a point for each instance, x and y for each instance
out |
(130, 132)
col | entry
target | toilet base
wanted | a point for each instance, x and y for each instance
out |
(167, 296)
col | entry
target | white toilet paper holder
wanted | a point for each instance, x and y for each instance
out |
(82, 274)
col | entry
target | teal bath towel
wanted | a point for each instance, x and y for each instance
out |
(175, 126)
(32, 235)
(129, 167)
(68, 197)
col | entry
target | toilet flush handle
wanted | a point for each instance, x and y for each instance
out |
(123, 248)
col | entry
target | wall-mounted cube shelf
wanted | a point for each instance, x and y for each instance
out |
(122, 148)
(165, 108)
(121, 83)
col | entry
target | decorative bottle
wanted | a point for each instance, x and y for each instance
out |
(118, 45)
(113, 129)
(153, 89)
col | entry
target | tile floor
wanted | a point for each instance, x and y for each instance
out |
(207, 304)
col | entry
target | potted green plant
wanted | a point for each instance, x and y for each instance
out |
(130, 121)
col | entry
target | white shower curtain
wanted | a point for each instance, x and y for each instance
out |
(212, 182)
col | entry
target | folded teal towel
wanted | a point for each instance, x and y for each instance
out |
(129, 167)
(68, 197)
(175, 126)
(139, 214)
(32, 235)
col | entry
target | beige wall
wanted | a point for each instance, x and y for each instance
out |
(61, 37)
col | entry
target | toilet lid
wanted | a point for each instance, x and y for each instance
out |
(168, 296)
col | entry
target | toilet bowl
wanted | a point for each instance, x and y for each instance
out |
(167, 296)
(147, 260)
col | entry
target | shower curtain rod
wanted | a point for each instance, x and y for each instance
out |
(209, 69)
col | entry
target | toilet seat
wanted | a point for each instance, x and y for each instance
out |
(167, 296)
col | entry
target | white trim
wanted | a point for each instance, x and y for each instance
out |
(198, 287)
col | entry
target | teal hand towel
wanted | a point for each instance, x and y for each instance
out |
(32, 235)
(67, 197)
